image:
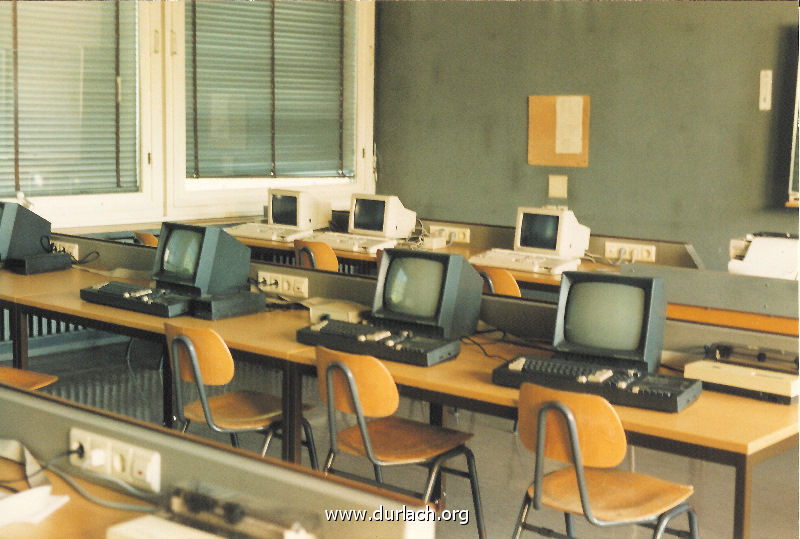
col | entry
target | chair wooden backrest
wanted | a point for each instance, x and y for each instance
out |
(145, 238)
(376, 390)
(315, 254)
(601, 438)
(214, 361)
(498, 281)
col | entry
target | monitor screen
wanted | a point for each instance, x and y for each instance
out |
(200, 260)
(604, 315)
(550, 231)
(539, 231)
(182, 253)
(368, 214)
(283, 209)
(616, 317)
(381, 216)
(22, 232)
(436, 293)
(414, 287)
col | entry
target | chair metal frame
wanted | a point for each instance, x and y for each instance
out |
(273, 429)
(301, 248)
(435, 464)
(659, 523)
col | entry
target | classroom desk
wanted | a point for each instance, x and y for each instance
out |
(14, 286)
(718, 427)
(77, 518)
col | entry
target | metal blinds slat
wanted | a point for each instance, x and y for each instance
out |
(67, 98)
(228, 131)
(235, 115)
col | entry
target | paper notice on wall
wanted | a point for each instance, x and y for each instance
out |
(569, 124)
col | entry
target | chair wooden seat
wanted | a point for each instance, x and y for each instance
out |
(362, 386)
(498, 281)
(246, 410)
(199, 356)
(616, 495)
(315, 254)
(25, 379)
(402, 441)
(584, 432)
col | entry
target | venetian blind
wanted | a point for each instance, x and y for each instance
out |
(269, 89)
(68, 97)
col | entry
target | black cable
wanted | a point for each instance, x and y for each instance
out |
(471, 341)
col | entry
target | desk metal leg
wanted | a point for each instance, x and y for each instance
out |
(19, 337)
(292, 412)
(168, 418)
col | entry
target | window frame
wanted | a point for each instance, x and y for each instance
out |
(165, 192)
(188, 197)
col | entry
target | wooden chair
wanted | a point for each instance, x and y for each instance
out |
(25, 379)
(585, 432)
(200, 356)
(363, 386)
(498, 281)
(145, 238)
(315, 254)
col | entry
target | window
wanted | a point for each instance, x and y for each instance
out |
(278, 99)
(68, 98)
(105, 113)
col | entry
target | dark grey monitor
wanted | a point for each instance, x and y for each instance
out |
(22, 232)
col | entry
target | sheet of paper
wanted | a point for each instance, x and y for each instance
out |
(569, 124)
(32, 505)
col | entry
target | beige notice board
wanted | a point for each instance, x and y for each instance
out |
(558, 130)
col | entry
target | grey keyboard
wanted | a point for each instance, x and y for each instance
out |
(352, 242)
(521, 261)
(262, 231)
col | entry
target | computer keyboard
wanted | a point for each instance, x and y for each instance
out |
(521, 261)
(626, 387)
(393, 344)
(155, 301)
(352, 242)
(267, 232)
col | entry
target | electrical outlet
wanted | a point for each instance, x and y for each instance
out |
(285, 285)
(630, 251)
(135, 465)
(459, 234)
(66, 247)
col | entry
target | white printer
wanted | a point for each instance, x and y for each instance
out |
(765, 254)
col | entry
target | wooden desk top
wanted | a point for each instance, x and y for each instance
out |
(715, 420)
(77, 518)
(14, 286)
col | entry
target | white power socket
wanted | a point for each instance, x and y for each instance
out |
(630, 251)
(66, 247)
(135, 465)
(459, 234)
(283, 284)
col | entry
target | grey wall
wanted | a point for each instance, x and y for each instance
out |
(678, 149)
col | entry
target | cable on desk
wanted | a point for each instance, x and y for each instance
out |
(471, 341)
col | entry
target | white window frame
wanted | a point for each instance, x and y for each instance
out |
(165, 192)
(208, 197)
(146, 204)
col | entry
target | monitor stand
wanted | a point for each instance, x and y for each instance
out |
(227, 305)
(39, 263)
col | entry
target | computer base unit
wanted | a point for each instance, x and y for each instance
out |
(226, 306)
(39, 263)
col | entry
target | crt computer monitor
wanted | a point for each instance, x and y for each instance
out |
(437, 293)
(298, 209)
(200, 260)
(22, 232)
(618, 317)
(380, 215)
(550, 232)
